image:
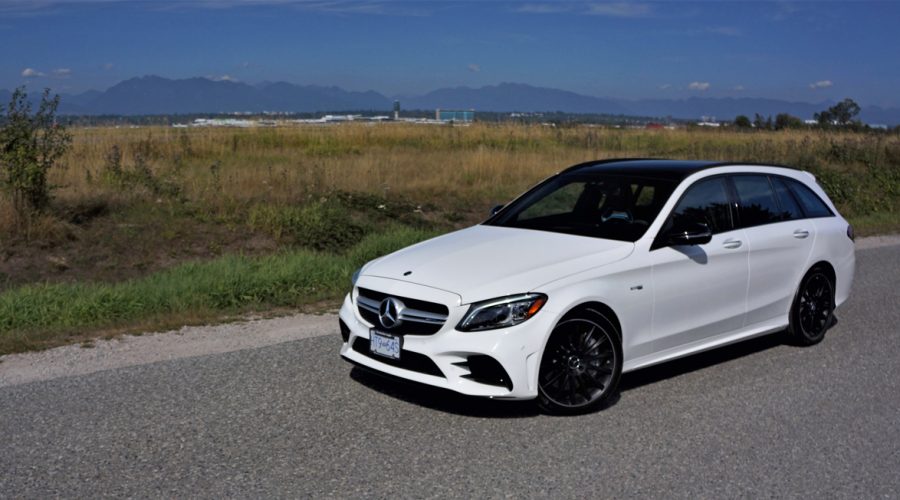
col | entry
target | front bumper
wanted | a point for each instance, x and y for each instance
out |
(456, 354)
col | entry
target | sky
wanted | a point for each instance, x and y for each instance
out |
(799, 51)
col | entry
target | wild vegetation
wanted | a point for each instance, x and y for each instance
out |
(154, 227)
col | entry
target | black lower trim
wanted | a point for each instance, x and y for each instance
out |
(409, 360)
(486, 370)
(345, 330)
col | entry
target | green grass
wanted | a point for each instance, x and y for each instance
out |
(189, 226)
(39, 316)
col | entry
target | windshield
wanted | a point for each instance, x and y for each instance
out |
(614, 207)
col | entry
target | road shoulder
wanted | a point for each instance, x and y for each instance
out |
(130, 350)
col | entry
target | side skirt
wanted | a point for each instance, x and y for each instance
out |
(749, 332)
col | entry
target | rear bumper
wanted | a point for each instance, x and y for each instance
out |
(457, 356)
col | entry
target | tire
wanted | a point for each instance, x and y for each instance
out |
(812, 312)
(581, 364)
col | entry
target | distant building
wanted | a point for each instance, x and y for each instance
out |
(444, 115)
(396, 110)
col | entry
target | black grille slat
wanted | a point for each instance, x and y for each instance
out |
(407, 327)
(409, 360)
(410, 302)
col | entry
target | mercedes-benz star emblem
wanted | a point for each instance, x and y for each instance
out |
(389, 312)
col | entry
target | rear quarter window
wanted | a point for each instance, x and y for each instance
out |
(790, 208)
(813, 206)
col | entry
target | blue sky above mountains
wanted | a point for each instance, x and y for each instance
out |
(802, 51)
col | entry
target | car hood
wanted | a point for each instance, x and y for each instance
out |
(484, 262)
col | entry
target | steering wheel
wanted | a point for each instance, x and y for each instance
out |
(616, 215)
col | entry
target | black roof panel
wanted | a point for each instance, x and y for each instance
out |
(675, 170)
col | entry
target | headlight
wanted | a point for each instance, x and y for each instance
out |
(502, 312)
(355, 276)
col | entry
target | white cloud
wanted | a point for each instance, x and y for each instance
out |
(62, 73)
(665, 86)
(701, 86)
(619, 9)
(544, 8)
(724, 31)
(31, 73)
(474, 68)
(222, 78)
(821, 84)
(739, 88)
(30, 8)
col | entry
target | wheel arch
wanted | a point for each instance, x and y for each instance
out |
(599, 307)
(828, 268)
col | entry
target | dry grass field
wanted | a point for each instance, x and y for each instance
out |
(448, 166)
(272, 217)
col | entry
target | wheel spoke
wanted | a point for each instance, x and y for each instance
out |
(581, 366)
(815, 305)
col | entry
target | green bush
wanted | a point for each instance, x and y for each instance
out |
(324, 225)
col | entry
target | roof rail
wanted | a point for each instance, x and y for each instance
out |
(601, 162)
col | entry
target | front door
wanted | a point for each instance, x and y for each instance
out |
(700, 291)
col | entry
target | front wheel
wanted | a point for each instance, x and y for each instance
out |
(813, 309)
(581, 365)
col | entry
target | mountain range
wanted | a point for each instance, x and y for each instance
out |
(154, 95)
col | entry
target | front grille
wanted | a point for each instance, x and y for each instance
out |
(409, 360)
(418, 316)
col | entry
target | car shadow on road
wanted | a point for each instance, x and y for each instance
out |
(442, 400)
(451, 402)
(701, 361)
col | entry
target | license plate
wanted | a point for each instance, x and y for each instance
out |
(384, 344)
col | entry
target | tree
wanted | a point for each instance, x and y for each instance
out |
(741, 121)
(842, 113)
(761, 123)
(30, 145)
(785, 120)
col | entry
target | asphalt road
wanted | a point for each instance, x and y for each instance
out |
(758, 419)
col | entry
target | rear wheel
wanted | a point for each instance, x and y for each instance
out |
(581, 365)
(813, 310)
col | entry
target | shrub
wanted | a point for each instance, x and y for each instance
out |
(30, 144)
(324, 225)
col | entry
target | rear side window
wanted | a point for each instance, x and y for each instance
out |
(813, 206)
(705, 202)
(790, 210)
(757, 199)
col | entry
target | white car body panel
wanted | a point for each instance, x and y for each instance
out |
(669, 301)
(483, 262)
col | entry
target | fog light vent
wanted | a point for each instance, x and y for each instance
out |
(486, 370)
(345, 330)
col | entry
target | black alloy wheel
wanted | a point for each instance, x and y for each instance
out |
(581, 365)
(813, 310)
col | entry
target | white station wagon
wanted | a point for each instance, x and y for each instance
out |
(604, 268)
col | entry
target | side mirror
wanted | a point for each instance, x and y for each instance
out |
(496, 209)
(693, 234)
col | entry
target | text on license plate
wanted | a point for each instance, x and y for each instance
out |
(384, 345)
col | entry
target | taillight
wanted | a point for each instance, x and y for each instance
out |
(850, 232)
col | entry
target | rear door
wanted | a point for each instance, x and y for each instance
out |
(700, 291)
(780, 242)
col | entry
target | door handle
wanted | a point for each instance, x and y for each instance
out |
(730, 243)
(801, 233)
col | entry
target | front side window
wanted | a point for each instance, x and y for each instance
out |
(706, 202)
(616, 207)
(757, 200)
